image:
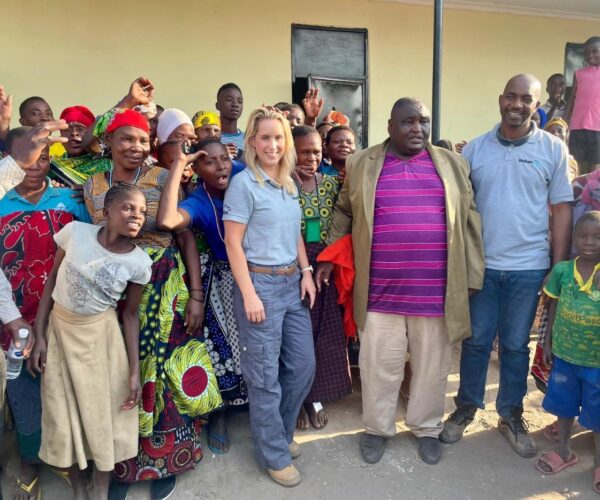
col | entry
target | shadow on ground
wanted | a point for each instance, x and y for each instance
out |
(480, 467)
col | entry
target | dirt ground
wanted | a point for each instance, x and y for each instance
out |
(481, 466)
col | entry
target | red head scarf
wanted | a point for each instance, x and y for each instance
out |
(127, 118)
(79, 114)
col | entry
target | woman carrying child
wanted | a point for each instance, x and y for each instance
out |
(203, 212)
(261, 213)
(91, 383)
(572, 347)
(318, 193)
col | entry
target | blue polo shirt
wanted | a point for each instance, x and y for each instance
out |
(271, 214)
(52, 199)
(514, 185)
(203, 217)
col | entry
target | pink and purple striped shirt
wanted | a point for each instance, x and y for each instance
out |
(409, 249)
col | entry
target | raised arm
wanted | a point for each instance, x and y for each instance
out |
(169, 216)
(6, 108)
(141, 91)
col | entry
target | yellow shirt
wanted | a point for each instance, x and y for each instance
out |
(57, 150)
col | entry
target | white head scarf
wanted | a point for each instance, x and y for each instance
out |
(169, 120)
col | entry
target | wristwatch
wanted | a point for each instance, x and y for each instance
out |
(307, 268)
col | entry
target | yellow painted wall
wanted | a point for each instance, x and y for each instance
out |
(86, 52)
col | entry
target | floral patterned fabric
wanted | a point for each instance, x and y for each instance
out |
(320, 202)
(220, 330)
(27, 251)
(178, 381)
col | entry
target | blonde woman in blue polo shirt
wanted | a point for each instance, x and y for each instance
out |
(261, 214)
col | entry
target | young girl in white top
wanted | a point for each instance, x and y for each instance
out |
(91, 377)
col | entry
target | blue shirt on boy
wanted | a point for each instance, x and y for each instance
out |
(53, 199)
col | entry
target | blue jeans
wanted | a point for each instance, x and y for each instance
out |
(505, 306)
(278, 364)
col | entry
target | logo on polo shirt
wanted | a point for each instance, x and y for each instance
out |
(534, 163)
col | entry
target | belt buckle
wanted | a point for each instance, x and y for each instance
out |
(287, 270)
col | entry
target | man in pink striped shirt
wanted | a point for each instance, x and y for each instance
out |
(418, 253)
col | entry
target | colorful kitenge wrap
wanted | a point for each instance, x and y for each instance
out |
(220, 329)
(27, 250)
(332, 375)
(117, 118)
(202, 118)
(75, 171)
(178, 381)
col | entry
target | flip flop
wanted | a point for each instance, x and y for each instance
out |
(221, 438)
(62, 473)
(555, 462)
(28, 487)
(597, 480)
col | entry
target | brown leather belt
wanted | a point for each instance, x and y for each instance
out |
(274, 270)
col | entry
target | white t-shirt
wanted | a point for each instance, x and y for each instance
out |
(90, 278)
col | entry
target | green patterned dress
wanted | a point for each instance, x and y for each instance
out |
(178, 381)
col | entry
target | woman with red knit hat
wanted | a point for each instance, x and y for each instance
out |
(76, 164)
(78, 119)
(175, 366)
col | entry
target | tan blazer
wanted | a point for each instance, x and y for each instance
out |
(353, 213)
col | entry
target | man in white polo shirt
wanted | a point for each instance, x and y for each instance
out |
(518, 172)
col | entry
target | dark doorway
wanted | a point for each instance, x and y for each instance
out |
(334, 60)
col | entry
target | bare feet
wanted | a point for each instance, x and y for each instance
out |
(303, 423)
(317, 416)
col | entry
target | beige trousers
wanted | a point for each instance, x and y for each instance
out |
(384, 343)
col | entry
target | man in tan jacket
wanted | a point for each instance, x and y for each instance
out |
(418, 253)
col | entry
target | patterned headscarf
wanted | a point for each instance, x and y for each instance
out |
(557, 121)
(117, 118)
(202, 118)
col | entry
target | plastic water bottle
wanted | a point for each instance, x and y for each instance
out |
(14, 355)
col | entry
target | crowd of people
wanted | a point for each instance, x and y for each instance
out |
(161, 271)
